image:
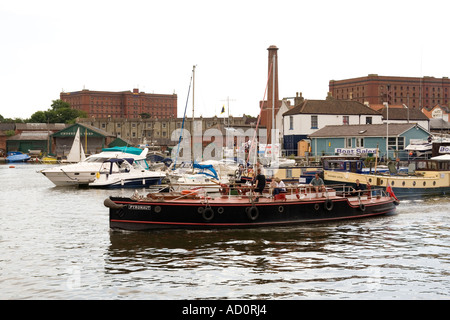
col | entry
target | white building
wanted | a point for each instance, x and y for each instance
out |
(312, 115)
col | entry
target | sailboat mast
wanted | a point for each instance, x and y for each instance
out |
(192, 127)
(193, 94)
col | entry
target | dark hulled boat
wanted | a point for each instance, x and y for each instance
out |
(195, 211)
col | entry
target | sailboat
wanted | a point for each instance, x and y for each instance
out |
(76, 153)
(196, 176)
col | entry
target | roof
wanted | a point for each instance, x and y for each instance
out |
(331, 106)
(7, 126)
(402, 114)
(84, 128)
(40, 126)
(439, 124)
(364, 130)
(31, 135)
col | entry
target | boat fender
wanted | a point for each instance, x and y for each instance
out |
(396, 202)
(329, 204)
(362, 207)
(208, 214)
(111, 204)
(252, 213)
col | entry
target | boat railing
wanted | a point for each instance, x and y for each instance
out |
(306, 191)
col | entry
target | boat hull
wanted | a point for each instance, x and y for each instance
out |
(127, 183)
(404, 186)
(138, 215)
(64, 178)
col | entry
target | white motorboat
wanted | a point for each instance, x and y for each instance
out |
(200, 177)
(84, 172)
(125, 173)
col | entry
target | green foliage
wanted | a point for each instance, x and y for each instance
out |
(60, 112)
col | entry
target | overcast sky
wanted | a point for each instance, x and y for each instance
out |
(64, 45)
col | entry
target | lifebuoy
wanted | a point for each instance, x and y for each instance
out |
(329, 204)
(208, 214)
(252, 213)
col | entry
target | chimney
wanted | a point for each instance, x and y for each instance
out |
(298, 98)
(272, 92)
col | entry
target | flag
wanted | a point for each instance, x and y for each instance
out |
(223, 109)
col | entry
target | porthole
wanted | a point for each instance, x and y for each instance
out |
(434, 183)
(414, 183)
(403, 183)
(424, 183)
(392, 183)
(370, 180)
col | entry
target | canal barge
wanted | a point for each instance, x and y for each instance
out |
(425, 177)
(194, 209)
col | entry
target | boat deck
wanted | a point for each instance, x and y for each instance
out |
(294, 195)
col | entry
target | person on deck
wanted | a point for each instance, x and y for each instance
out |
(357, 188)
(318, 184)
(260, 180)
(279, 187)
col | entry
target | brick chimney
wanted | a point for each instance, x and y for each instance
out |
(266, 114)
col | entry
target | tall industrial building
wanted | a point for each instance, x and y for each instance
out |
(423, 92)
(124, 104)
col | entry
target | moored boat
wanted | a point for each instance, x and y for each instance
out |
(423, 177)
(85, 171)
(194, 210)
(17, 156)
(125, 173)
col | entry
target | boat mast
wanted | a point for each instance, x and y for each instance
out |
(192, 127)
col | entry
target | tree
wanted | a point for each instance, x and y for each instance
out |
(60, 112)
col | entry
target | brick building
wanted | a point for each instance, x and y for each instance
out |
(424, 92)
(124, 104)
(159, 131)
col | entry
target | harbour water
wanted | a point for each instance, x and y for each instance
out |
(55, 243)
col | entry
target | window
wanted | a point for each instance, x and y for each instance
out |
(368, 120)
(359, 142)
(314, 122)
(291, 123)
(345, 120)
(348, 142)
(401, 143)
(396, 143)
